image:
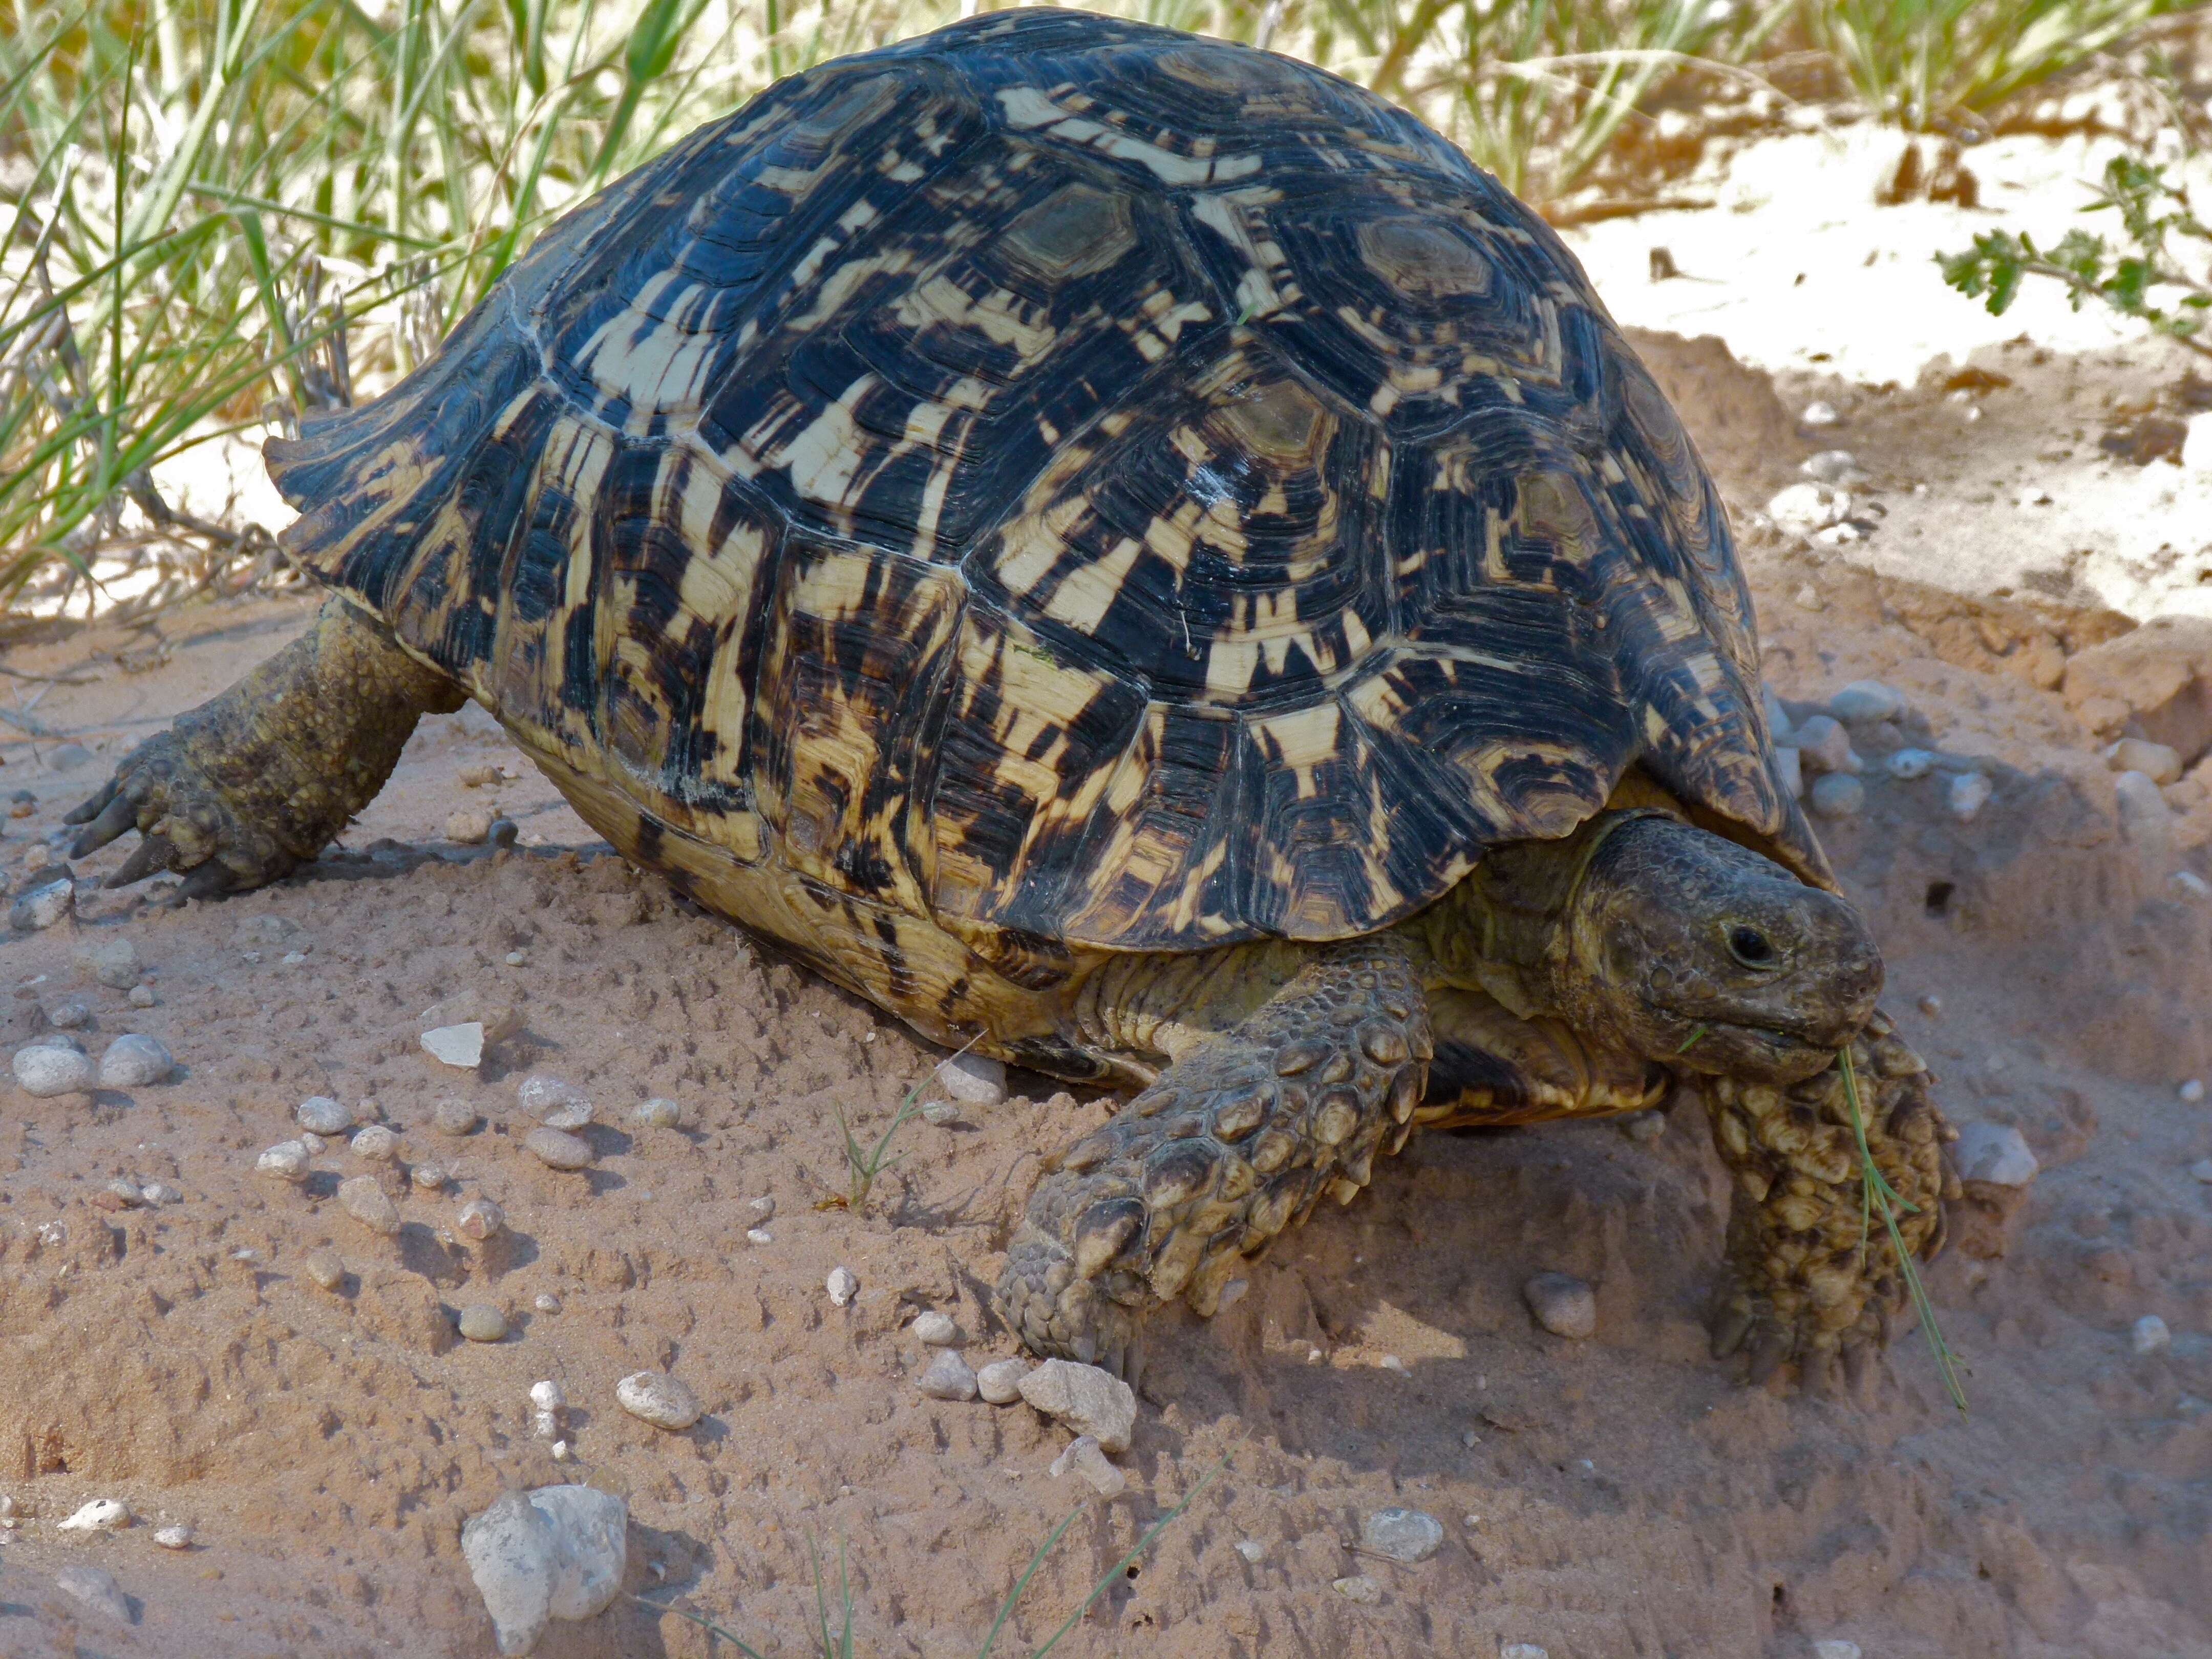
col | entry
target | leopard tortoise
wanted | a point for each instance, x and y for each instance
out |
(1130, 550)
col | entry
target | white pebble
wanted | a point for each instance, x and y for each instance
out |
(366, 1202)
(759, 1235)
(174, 1538)
(286, 1161)
(1821, 412)
(461, 1047)
(100, 1515)
(320, 1115)
(1969, 792)
(2158, 762)
(1808, 598)
(427, 1177)
(469, 827)
(142, 996)
(2194, 886)
(974, 1079)
(2191, 1092)
(1839, 795)
(1089, 1400)
(1000, 1382)
(1252, 1550)
(947, 1377)
(2149, 1335)
(936, 1329)
(547, 1395)
(516, 958)
(2201, 1170)
(95, 1587)
(1358, 1587)
(73, 1015)
(842, 1287)
(133, 1062)
(1563, 1304)
(155, 1193)
(764, 1209)
(1826, 745)
(547, 1302)
(1908, 764)
(113, 964)
(376, 1142)
(938, 1113)
(1833, 467)
(1521, 1650)
(1087, 1458)
(326, 1268)
(1403, 1536)
(42, 907)
(313, 1143)
(556, 1553)
(1808, 507)
(479, 1220)
(558, 1150)
(482, 1322)
(1833, 1649)
(658, 1113)
(455, 1116)
(554, 1103)
(1994, 1152)
(657, 1398)
(561, 1452)
(48, 1070)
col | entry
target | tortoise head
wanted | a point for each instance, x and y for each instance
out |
(1689, 950)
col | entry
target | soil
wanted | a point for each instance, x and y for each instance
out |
(1624, 1495)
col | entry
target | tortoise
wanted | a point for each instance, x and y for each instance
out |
(1129, 551)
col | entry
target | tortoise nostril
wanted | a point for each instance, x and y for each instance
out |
(1751, 947)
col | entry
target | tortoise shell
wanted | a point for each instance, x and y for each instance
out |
(1068, 480)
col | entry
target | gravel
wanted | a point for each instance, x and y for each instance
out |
(1563, 1305)
(133, 1061)
(842, 1287)
(286, 1161)
(70, 1014)
(658, 1113)
(936, 1330)
(947, 1377)
(1994, 1152)
(479, 1220)
(366, 1202)
(557, 1149)
(376, 1144)
(455, 1116)
(320, 1115)
(48, 1070)
(325, 1268)
(1000, 1382)
(657, 1398)
(555, 1103)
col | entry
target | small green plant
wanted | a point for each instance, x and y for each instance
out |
(840, 1647)
(2156, 217)
(864, 1164)
(1879, 1197)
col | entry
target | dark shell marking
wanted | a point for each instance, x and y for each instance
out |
(1085, 484)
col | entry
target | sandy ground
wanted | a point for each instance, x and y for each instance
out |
(1622, 1496)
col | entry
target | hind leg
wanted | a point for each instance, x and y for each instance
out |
(258, 780)
(1814, 1275)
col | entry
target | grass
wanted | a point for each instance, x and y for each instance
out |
(840, 1645)
(1881, 1198)
(864, 1164)
(217, 214)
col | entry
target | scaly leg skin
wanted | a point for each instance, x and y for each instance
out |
(1814, 1277)
(258, 780)
(1238, 1139)
(1493, 1068)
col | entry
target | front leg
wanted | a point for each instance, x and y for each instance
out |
(1235, 1142)
(255, 782)
(1814, 1275)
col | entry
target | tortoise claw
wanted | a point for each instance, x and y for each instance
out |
(207, 881)
(120, 813)
(152, 854)
(91, 807)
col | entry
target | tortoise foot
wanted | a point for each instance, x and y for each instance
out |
(1814, 1273)
(1236, 1141)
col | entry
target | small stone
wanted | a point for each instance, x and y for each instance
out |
(455, 1116)
(759, 1235)
(1839, 795)
(482, 1322)
(479, 1220)
(1821, 412)
(1932, 1006)
(325, 1268)
(1563, 1304)
(45, 1071)
(2192, 884)
(157, 1193)
(320, 1115)
(366, 1201)
(1252, 1550)
(2191, 1093)
(547, 1302)
(1000, 1382)
(1358, 1587)
(2157, 762)
(1789, 767)
(556, 1553)
(68, 758)
(1835, 466)
(842, 1287)
(1969, 792)
(376, 1142)
(95, 1587)
(133, 1061)
(44, 906)
(503, 832)
(1994, 1152)
(1088, 1459)
(547, 1395)
(1521, 1650)
(461, 1047)
(763, 1208)
(1866, 702)
(22, 804)
(286, 1161)
(313, 1143)
(1402, 1536)
(142, 996)
(1808, 507)
(936, 1329)
(516, 958)
(1907, 765)
(2196, 444)
(100, 1515)
(2201, 1170)
(427, 1177)
(71, 1014)
(174, 1538)
(1642, 1126)
(557, 1149)
(938, 1113)
(1835, 1649)
(556, 1103)
(657, 1398)
(2146, 820)
(2149, 1334)
(974, 1079)
(1826, 745)
(947, 1377)
(123, 1193)
(1088, 1399)
(658, 1113)
(470, 826)
(1808, 598)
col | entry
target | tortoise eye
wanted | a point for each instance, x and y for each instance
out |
(1751, 947)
